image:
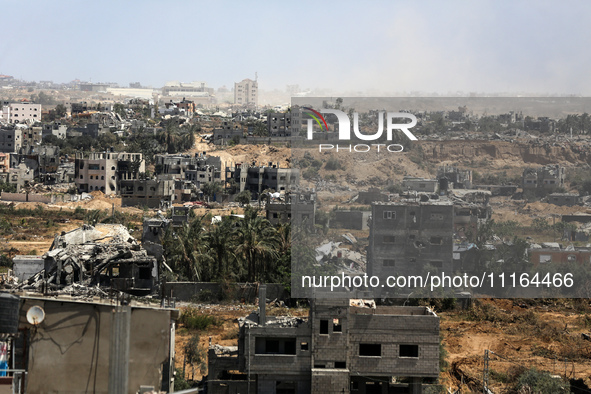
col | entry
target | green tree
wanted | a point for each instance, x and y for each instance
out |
(256, 244)
(186, 251)
(210, 189)
(195, 355)
(220, 243)
(243, 198)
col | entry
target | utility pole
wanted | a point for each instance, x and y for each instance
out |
(485, 373)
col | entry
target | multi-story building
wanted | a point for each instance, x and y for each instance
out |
(279, 124)
(11, 139)
(246, 93)
(103, 170)
(257, 179)
(147, 192)
(344, 346)
(197, 169)
(21, 112)
(407, 235)
(298, 208)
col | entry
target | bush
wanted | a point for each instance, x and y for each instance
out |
(541, 382)
(193, 319)
(333, 164)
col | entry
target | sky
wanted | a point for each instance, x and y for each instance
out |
(372, 47)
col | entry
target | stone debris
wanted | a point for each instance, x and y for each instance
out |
(74, 265)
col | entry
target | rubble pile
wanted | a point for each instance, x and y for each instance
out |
(88, 259)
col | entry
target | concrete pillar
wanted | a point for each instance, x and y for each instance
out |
(262, 305)
(416, 386)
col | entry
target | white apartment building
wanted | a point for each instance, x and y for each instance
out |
(246, 93)
(20, 112)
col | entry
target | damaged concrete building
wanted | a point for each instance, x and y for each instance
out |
(298, 208)
(455, 177)
(103, 170)
(257, 179)
(407, 235)
(93, 257)
(551, 176)
(344, 346)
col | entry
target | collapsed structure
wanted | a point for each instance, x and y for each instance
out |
(344, 346)
(105, 255)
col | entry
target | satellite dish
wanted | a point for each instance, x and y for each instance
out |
(35, 315)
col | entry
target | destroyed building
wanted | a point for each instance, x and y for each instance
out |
(104, 256)
(456, 178)
(344, 346)
(147, 192)
(550, 177)
(298, 208)
(407, 235)
(471, 209)
(257, 179)
(103, 170)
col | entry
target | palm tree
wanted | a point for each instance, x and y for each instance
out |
(257, 244)
(220, 244)
(186, 251)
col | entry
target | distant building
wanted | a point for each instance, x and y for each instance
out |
(246, 93)
(279, 124)
(455, 177)
(419, 184)
(405, 236)
(564, 199)
(103, 171)
(547, 177)
(257, 179)
(21, 112)
(11, 139)
(150, 193)
(297, 208)
(55, 129)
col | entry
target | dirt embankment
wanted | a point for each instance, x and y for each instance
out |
(502, 153)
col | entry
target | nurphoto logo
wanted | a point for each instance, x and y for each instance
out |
(344, 127)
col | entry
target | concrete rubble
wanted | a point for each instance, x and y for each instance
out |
(90, 259)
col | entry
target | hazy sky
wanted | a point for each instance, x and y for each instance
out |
(374, 46)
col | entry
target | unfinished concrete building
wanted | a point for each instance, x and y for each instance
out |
(407, 235)
(344, 346)
(89, 346)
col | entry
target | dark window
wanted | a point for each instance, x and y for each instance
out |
(323, 326)
(409, 351)
(436, 240)
(389, 239)
(272, 346)
(389, 263)
(304, 346)
(145, 273)
(290, 347)
(370, 349)
(340, 364)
